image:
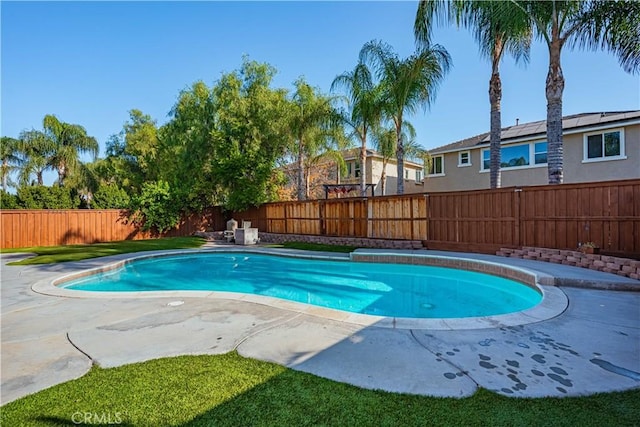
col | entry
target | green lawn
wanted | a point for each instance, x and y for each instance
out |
(229, 390)
(52, 254)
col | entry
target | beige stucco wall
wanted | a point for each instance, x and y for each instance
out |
(374, 171)
(575, 170)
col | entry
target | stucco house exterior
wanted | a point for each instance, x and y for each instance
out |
(597, 147)
(413, 173)
(327, 172)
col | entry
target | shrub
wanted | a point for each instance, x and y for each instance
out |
(155, 209)
(110, 196)
(8, 201)
(41, 197)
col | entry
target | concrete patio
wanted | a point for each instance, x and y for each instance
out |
(593, 346)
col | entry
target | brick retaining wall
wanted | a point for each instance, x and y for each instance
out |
(360, 242)
(609, 264)
(346, 241)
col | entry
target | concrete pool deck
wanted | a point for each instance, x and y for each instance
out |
(592, 346)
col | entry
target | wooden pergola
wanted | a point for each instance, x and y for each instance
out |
(344, 188)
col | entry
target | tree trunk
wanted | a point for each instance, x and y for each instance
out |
(554, 89)
(302, 191)
(400, 157)
(363, 166)
(495, 96)
(62, 172)
(307, 179)
(383, 178)
(39, 178)
(5, 173)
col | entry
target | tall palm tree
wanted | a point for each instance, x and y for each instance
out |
(70, 141)
(406, 84)
(36, 150)
(494, 35)
(312, 119)
(385, 142)
(9, 149)
(599, 24)
(365, 110)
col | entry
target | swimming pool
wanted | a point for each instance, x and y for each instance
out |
(392, 290)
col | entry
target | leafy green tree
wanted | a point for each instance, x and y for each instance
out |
(495, 35)
(186, 145)
(70, 141)
(251, 135)
(609, 25)
(10, 151)
(365, 109)
(110, 196)
(406, 84)
(41, 197)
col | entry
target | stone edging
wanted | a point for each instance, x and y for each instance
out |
(346, 241)
(608, 264)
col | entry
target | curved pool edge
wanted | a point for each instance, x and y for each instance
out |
(554, 302)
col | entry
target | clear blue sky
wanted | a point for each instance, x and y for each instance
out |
(89, 63)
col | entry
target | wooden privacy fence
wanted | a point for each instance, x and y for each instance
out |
(560, 216)
(25, 228)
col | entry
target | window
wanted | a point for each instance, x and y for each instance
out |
(517, 156)
(353, 169)
(464, 158)
(419, 175)
(540, 153)
(437, 166)
(406, 174)
(604, 146)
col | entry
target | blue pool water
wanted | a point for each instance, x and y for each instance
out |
(394, 290)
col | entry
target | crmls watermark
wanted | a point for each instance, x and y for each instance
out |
(103, 418)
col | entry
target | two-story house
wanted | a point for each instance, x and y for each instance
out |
(413, 173)
(597, 147)
(327, 172)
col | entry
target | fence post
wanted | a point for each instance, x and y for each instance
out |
(428, 219)
(516, 214)
(321, 218)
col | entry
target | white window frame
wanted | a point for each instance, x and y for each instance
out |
(532, 157)
(433, 160)
(353, 169)
(585, 146)
(464, 165)
(419, 174)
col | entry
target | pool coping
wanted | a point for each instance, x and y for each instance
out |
(554, 301)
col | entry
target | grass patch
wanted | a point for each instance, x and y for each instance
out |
(229, 390)
(314, 247)
(53, 254)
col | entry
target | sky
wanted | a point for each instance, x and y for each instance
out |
(90, 63)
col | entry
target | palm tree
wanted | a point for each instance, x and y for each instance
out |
(406, 84)
(36, 150)
(385, 142)
(312, 119)
(70, 140)
(9, 147)
(494, 35)
(599, 24)
(365, 110)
